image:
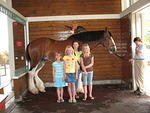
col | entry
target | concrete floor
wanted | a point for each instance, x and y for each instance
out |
(108, 99)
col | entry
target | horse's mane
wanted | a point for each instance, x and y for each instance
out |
(88, 36)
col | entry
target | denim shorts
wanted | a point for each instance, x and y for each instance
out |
(70, 77)
(88, 78)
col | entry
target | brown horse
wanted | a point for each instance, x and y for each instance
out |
(43, 49)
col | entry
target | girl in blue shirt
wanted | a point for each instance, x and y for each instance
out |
(58, 76)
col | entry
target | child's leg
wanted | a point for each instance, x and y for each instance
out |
(85, 91)
(73, 90)
(62, 92)
(89, 82)
(90, 90)
(69, 90)
(85, 86)
(58, 93)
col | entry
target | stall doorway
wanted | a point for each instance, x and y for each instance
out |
(141, 28)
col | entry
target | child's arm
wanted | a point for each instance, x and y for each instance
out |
(91, 64)
(53, 73)
(82, 65)
(64, 76)
(76, 69)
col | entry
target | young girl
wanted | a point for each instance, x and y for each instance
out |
(71, 72)
(87, 61)
(58, 76)
(77, 53)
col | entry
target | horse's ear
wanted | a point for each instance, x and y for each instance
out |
(68, 27)
(79, 29)
(106, 29)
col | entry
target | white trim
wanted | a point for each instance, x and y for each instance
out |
(73, 17)
(26, 36)
(21, 75)
(12, 9)
(135, 7)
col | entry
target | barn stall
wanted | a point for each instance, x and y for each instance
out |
(49, 18)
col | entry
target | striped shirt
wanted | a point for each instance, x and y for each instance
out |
(59, 69)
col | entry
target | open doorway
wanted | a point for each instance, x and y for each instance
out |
(141, 28)
(5, 78)
(145, 22)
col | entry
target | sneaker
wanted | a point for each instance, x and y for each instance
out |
(140, 93)
(136, 91)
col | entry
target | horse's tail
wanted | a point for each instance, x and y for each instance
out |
(27, 53)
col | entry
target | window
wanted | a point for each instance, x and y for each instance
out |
(141, 28)
(126, 4)
(4, 51)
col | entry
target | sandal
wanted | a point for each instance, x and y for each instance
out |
(92, 98)
(84, 99)
(58, 101)
(61, 100)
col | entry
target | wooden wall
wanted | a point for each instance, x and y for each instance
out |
(20, 86)
(66, 7)
(19, 47)
(126, 47)
(106, 66)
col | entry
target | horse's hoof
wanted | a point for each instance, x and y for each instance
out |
(42, 89)
(34, 91)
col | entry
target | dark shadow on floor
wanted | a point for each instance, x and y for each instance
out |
(108, 99)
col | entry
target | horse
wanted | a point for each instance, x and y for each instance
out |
(43, 49)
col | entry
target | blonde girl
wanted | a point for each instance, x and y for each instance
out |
(71, 72)
(58, 76)
(87, 62)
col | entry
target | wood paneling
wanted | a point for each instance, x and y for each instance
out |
(66, 7)
(19, 47)
(20, 85)
(126, 44)
(106, 66)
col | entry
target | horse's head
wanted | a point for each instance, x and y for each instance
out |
(109, 42)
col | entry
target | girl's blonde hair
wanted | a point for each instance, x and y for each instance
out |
(68, 47)
(86, 45)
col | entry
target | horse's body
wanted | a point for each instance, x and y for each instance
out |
(43, 49)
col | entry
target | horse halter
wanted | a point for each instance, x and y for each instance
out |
(110, 44)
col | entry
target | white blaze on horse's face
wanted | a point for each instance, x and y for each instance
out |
(71, 31)
(112, 45)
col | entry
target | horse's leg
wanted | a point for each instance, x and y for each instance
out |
(32, 87)
(38, 81)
